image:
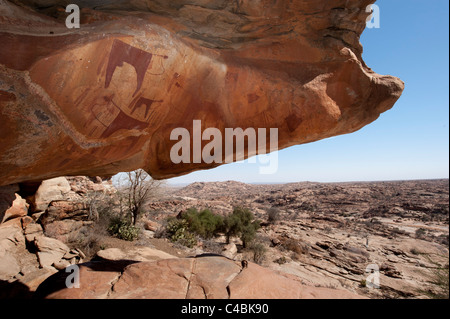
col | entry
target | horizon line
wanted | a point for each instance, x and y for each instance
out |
(316, 182)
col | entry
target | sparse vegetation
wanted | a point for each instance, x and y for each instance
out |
(191, 224)
(439, 279)
(363, 283)
(259, 252)
(123, 229)
(241, 223)
(281, 260)
(203, 223)
(206, 225)
(295, 246)
(420, 233)
(136, 189)
(331, 221)
(443, 239)
(273, 215)
(178, 232)
(398, 231)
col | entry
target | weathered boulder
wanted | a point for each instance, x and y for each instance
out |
(210, 277)
(27, 257)
(62, 209)
(66, 206)
(9, 266)
(229, 250)
(32, 231)
(7, 196)
(50, 250)
(66, 230)
(19, 208)
(12, 245)
(11, 236)
(106, 97)
(50, 190)
(151, 225)
(135, 254)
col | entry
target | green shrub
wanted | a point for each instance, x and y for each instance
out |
(241, 224)
(204, 223)
(123, 229)
(178, 232)
(362, 283)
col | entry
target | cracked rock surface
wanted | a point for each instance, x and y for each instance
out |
(201, 277)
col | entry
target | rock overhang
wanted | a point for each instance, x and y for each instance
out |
(104, 98)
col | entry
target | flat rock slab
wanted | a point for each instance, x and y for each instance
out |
(135, 254)
(202, 277)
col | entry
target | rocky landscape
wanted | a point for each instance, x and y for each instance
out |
(320, 241)
(328, 234)
(105, 98)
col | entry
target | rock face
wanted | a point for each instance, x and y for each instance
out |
(33, 236)
(66, 205)
(50, 190)
(19, 208)
(105, 98)
(21, 267)
(191, 278)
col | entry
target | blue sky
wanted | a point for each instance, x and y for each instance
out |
(411, 141)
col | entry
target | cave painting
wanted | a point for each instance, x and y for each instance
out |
(118, 109)
(139, 59)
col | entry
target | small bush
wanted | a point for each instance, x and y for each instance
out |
(439, 279)
(241, 223)
(295, 246)
(123, 229)
(363, 283)
(178, 232)
(273, 215)
(443, 239)
(210, 246)
(281, 260)
(420, 233)
(259, 252)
